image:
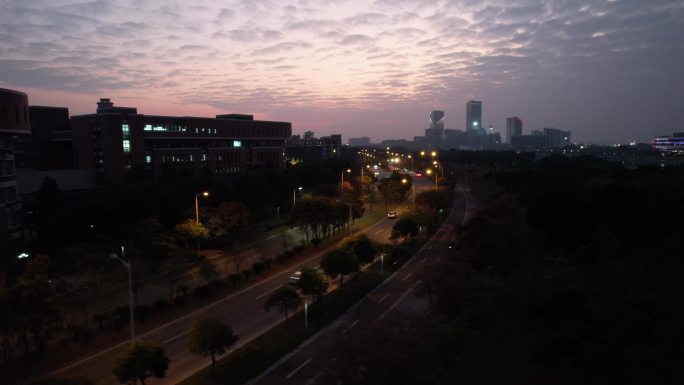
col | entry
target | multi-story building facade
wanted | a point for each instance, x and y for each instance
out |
(310, 148)
(118, 142)
(514, 127)
(474, 122)
(14, 123)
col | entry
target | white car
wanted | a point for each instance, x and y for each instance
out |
(295, 277)
(392, 214)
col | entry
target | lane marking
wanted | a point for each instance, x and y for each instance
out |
(296, 370)
(383, 297)
(268, 292)
(313, 379)
(395, 303)
(379, 231)
(349, 327)
(423, 260)
(176, 337)
(407, 275)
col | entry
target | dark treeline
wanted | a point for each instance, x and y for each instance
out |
(568, 273)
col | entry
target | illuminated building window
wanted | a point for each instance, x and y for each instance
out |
(126, 146)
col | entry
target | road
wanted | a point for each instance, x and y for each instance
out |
(314, 362)
(243, 311)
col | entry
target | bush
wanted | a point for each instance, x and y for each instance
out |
(247, 274)
(234, 279)
(142, 312)
(282, 258)
(160, 305)
(203, 291)
(298, 249)
(267, 262)
(180, 301)
(216, 283)
(316, 241)
(100, 319)
(258, 267)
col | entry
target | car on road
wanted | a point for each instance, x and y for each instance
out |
(295, 277)
(392, 214)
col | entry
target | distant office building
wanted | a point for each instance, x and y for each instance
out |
(545, 140)
(474, 122)
(363, 141)
(674, 143)
(118, 143)
(437, 120)
(310, 148)
(14, 123)
(556, 138)
(513, 128)
(49, 147)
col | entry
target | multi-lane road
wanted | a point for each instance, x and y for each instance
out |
(243, 311)
(314, 362)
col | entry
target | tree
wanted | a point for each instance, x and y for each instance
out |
(190, 230)
(404, 227)
(237, 259)
(210, 337)
(283, 299)
(363, 249)
(173, 273)
(339, 262)
(234, 217)
(312, 283)
(144, 360)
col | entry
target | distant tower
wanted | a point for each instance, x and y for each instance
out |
(437, 120)
(435, 133)
(474, 121)
(513, 128)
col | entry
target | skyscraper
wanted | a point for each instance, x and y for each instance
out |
(513, 128)
(474, 122)
(437, 120)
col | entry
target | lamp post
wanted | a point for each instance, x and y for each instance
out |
(429, 171)
(413, 188)
(342, 185)
(294, 195)
(422, 154)
(130, 288)
(382, 265)
(306, 314)
(204, 194)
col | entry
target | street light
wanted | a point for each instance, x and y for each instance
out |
(422, 154)
(130, 288)
(306, 314)
(433, 153)
(204, 194)
(413, 187)
(343, 171)
(429, 171)
(294, 195)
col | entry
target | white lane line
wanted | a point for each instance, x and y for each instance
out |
(268, 292)
(422, 261)
(407, 275)
(176, 337)
(350, 326)
(313, 379)
(296, 370)
(394, 304)
(383, 297)
(379, 231)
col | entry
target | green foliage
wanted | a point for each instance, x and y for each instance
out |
(404, 227)
(209, 337)
(190, 230)
(284, 300)
(143, 361)
(312, 283)
(364, 249)
(339, 262)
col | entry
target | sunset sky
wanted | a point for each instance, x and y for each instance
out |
(609, 71)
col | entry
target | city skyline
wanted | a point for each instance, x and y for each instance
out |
(609, 71)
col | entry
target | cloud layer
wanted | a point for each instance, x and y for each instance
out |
(607, 70)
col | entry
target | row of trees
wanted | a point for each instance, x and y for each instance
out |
(322, 216)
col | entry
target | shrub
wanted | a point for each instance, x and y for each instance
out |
(160, 305)
(203, 291)
(258, 267)
(234, 279)
(247, 274)
(142, 312)
(180, 301)
(281, 258)
(316, 241)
